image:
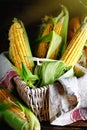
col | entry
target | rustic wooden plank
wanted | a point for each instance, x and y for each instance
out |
(80, 125)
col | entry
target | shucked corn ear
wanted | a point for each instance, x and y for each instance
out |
(74, 49)
(19, 48)
(18, 116)
(49, 48)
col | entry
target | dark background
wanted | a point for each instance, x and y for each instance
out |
(31, 13)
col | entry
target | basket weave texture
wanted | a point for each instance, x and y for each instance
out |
(36, 99)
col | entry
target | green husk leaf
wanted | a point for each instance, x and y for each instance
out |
(10, 54)
(45, 38)
(49, 71)
(14, 121)
(5, 106)
(28, 77)
(19, 72)
(33, 121)
(68, 73)
(64, 31)
(54, 46)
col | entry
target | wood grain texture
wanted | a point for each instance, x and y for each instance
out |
(80, 125)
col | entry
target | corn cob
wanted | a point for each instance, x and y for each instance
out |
(19, 48)
(18, 116)
(74, 49)
(43, 46)
(6, 98)
(51, 47)
(58, 26)
(74, 25)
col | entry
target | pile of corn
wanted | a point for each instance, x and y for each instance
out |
(57, 29)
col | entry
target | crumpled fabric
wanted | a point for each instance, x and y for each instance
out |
(71, 117)
(6, 72)
(79, 112)
(55, 116)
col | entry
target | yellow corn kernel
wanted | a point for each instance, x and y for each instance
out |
(48, 29)
(74, 49)
(58, 28)
(43, 46)
(5, 97)
(42, 49)
(15, 56)
(19, 50)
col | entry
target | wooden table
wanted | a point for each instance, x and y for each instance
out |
(46, 126)
(80, 125)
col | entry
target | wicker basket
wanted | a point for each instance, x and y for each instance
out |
(36, 99)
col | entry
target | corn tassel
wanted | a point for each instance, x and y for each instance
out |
(74, 49)
(17, 115)
(19, 48)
